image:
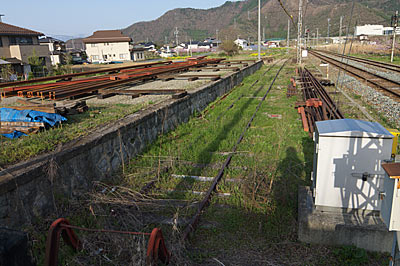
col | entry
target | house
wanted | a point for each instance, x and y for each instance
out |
(57, 49)
(369, 30)
(77, 56)
(214, 42)
(137, 53)
(165, 52)
(18, 44)
(241, 43)
(149, 46)
(107, 46)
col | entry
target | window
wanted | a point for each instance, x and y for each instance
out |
(93, 45)
(20, 40)
(95, 57)
(105, 56)
(106, 44)
(122, 56)
(1, 42)
(114, 55)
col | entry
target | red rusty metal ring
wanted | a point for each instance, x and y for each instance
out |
(53, 240)
(156, 249)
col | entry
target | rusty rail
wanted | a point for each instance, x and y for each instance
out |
(205, 202)
(317, 105)
(68, 89)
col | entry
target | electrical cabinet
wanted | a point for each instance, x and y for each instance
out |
(390, 195)
(347, 163)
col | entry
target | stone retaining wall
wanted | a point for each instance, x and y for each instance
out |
(27, 189)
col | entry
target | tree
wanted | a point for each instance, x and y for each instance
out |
(36, 63)
(6, 71)
(230, 47)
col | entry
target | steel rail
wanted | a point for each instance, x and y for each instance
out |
(194, 221)
(351, 70)
(91, 88)
(91, 79)
(387, 66)
(76, 88)
(325, 96)
(60, 77)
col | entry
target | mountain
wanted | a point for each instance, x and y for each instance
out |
(239, 18)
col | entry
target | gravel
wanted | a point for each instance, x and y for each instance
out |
(385, 105)
(387, 73)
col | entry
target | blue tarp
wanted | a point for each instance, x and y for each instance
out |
(12, 115)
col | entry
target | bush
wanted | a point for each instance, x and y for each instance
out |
(230, 48)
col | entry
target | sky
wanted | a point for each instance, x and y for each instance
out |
(83, 17)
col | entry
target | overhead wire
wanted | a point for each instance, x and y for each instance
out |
(287, 12)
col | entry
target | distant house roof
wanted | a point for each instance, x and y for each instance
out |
(7, 29)
(49, 40)
(107, 36)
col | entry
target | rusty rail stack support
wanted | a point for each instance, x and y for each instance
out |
(156, 250)
(292, 88)
(317, 105)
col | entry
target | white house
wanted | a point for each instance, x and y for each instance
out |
(241, 43)
(107, 46)
(370, 30)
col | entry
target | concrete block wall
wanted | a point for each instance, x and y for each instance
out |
(27, 188)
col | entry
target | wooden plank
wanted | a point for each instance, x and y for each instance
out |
(4, 124)
(26, 130)
(45, 109)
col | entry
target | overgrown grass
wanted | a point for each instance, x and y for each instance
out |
(257, 223)
(15, 150)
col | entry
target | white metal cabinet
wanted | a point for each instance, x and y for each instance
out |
(347, 163)
(390, 196)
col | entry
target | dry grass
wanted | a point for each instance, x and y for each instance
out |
(359, 48)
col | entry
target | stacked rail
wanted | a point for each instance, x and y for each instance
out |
(63, 87)
(317, 105)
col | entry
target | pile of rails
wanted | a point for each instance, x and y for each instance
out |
(317, 105)
(80, 84)
(56, 95)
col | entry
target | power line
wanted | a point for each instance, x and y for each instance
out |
(287, 13)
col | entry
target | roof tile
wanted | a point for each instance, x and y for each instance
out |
(7, 29)
(107, 36)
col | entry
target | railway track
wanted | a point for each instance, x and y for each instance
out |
(389, 87)
(177, 189)
(387, 66)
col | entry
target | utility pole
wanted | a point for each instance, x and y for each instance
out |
(317, 36)
(288, 35)
(217, 37)
(176, 32)
(259, 29)
(329, 27)
(234, 21)
(263, 38)
(340, 32)
(313, 39)
(299, 31)
(248, 14)
(395, 23)
(1, 15)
